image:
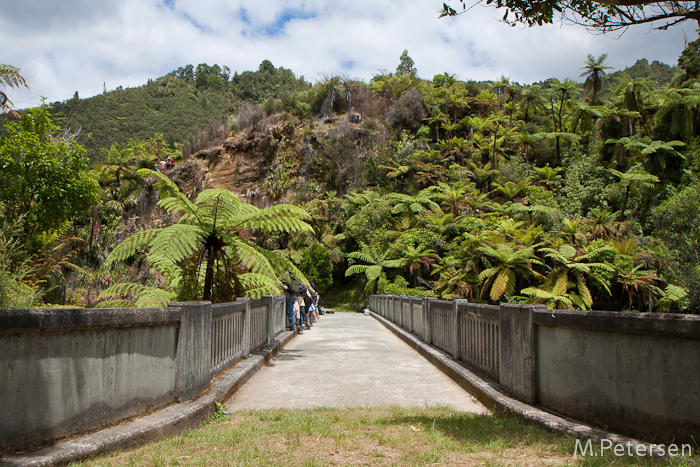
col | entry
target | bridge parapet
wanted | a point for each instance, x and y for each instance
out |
(634, 373)
(69, 371)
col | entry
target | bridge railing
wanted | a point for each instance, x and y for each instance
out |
(64, 372)
(474, 340)
(635, 373)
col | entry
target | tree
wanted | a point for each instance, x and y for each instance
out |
(594, 71)
(532, 101)
(500, 279)
(632, 181)
(417, 258)
(374, 271)
(406, 66)
(411, 208)
(577, 268)
(119, 162)
(596, 15)
(452, 195)
(214, 231)
(10, 78)
(44, 175)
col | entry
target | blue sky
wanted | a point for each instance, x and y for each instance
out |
(84, 45)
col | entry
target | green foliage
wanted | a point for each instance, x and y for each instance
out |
(15, 293)
(44, 175)
(600, 16)
(675, 222)
(487, 191)
(400, 287)
(584, 186)
(317, 266)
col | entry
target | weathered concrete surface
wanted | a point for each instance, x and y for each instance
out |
(169, 421)
(350, 360)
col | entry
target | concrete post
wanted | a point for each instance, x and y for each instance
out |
(193, 355)
(246, 330)
(518, 351)
(410, 316)
(457, 344)
(426, 312)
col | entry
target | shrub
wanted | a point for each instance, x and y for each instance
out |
(249, 115)
(408, 112)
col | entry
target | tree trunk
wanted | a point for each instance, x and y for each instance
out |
(209, 275)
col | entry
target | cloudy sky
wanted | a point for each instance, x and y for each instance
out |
(64, 46)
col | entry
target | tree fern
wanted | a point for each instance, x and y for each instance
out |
(207, 234)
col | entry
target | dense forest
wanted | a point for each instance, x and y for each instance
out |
(574, 194)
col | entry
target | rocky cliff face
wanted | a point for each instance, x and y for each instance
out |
(244, 163)
(268, 162)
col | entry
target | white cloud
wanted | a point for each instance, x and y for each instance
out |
(77, 45)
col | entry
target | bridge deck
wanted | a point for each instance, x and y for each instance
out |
(350, 360)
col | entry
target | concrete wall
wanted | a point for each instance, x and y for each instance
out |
(64, 372)
(634, 373)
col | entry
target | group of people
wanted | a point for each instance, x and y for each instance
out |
(303, 304)
(166, 163)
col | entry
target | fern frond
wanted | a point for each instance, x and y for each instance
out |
(153, 297)
(165, 265)
(583, 291)
(119, 303)
(500, 283)
(539, 295)
(561, 285)
(173, 199)
(356, 269)
(373, 272)
(275, 219)
(487, 273)
(123, 289)
(248, 255)
(136, 243)
(177, 242)
(362, 256)
(369, 287)
(218, 207)
(259, 285)
(281, 265)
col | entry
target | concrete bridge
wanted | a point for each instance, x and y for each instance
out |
(132, 376)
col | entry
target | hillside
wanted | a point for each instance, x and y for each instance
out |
(178, 105)
(561, 193)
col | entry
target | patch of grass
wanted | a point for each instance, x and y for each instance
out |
(374, 436)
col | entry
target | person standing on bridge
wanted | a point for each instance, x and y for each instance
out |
(307, 306)
(290, 286)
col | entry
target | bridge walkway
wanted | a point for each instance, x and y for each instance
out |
(350, 360)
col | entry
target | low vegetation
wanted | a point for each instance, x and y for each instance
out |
(373, 436)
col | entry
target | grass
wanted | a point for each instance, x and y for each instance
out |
(372, 436)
